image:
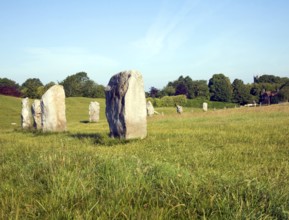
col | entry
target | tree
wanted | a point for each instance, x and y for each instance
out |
(283, 93)
(182, 89)
(30, 88)
(190, 88)
(93, 90)
(220, 88)
(9, 87)
(168, 91)
(100, 91)
(154, 92)
(241, 93)
(48, 85)
(200, 89)
(74, 85)
(270, 79)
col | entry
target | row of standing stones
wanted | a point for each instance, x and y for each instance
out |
(126, 108)
(48, 113)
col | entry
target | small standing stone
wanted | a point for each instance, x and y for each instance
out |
(126, 105)
(94, 112)
(53, 109)
(26, 114)
(179, 109)
(36, 113)
(205, 107)
(150, 109)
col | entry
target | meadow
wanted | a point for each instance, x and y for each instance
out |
(223, 164)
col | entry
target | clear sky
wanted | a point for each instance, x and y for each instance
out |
(163, 39)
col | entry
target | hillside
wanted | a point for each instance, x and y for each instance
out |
(76, 110)
(223, 164)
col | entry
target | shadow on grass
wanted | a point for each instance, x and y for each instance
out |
(100, 139)
(84, 121)
(95, 138)
(39, 132)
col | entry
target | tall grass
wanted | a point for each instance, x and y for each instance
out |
(224, 164)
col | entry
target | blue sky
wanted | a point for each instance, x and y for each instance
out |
(163, 39)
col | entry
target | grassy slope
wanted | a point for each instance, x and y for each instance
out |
(225, 164)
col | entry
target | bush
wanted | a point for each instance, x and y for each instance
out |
(171, 101)
(167, 101)
(180, 100)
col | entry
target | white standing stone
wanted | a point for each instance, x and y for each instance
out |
(53, 109)
(205, 107)
(26, 121)
(126, 105)
(179, 109)
(93, 112)
(150, 109)
(36, 113)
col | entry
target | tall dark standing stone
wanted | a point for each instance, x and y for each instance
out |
(126, 105)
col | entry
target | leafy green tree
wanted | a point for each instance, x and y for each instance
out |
(241, 93)
(48, 85)
(220, 88)
(30, 88)
(100, 91)
(270, 79)
(168, 91)
(93, 90)
(74, 85)
(284, 92)
(190, 88)
(200, 89)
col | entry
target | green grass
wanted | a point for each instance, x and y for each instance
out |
(224, 164)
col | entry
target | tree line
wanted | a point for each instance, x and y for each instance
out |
(218, 88)
(77, 85)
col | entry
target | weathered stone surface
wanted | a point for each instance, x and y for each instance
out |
(93, 111)
(53, 109)
(150, 109)
(36, 114)
(26, 121)
(179, 109)
(126, 105)
(205, 106)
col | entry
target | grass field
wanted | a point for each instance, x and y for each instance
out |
(224, 164)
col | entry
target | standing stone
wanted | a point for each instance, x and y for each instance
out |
(179, 109)
(53, 109)
(126, 105)
(26, 114)
(205, 107)
(93, 112)
(36, 113)
(150, 109)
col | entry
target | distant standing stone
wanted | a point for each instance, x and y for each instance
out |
(205, 107)
(53, 109)
(126, 105)
(179, 109)
(36, 113)
(94, 112)
(150, 109)
(26, 114)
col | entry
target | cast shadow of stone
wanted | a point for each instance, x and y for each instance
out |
(100, 139)
(84, 121)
